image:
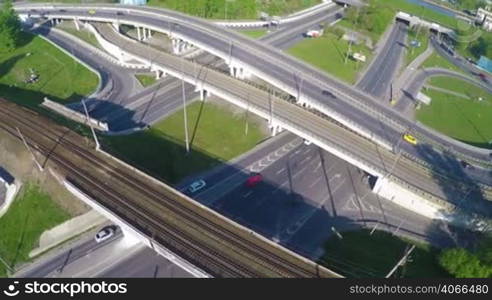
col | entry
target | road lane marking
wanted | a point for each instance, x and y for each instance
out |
(247, 194)
(280, 171)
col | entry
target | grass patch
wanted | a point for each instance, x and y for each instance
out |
(61, 78)
(215, 135)
(437, 61)
(414, 52)
(419, 11)
(255, 34)
(146, 79)
(239, 9)
(460, 86)
(467, 120)
(31, 213)
(362, 255)
(328, 53)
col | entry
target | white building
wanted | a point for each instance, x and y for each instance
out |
(484, 18)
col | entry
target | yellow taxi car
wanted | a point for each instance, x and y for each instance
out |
(91, 12)
(410, 139)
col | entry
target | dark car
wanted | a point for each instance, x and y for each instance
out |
(62, 10)
(328, 93)
(466, 165)
(119, 13)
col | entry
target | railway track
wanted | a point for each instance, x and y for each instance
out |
(86, 169)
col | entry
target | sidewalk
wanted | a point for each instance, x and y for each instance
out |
(69, 229)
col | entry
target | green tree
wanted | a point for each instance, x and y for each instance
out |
(464, 264)
(9, 27)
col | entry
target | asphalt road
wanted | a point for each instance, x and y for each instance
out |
(115, 257)
(145, 263)
(378, 78)
(56, 264)
(306, 191)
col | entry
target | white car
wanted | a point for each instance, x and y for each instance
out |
(197, 185)
(104, 234)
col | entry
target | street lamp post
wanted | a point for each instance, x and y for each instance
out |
(90, 125)
(184, 108)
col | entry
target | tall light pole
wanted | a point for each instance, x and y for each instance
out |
(184, 108)
(29, 149)
(246, 125)
(90, 125)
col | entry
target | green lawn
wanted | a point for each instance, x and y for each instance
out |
(328, 53)
(467, 120)
(459, 86)
(418, 10)
(255, 34)
(437, 61)
(60, 77)
(146, 79)
(31, 213)
(359, 254)
(382, 12)
(414, 52)
(215, 134)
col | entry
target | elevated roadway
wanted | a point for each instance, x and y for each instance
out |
(353, 108)
(266, 62)
(324, 132)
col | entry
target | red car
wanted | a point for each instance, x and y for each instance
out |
(254, 180)
(482, 76)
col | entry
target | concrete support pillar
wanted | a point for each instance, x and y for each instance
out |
(139, 35)
(203, 94)
(275, 129)
(158, 74)
(76, 22)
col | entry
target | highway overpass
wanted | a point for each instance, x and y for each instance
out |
(345, 104)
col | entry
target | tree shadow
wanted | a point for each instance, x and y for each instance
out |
(7, 65)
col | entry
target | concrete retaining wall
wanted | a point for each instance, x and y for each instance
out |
(430, 209)
(73, 114)
(10, 194)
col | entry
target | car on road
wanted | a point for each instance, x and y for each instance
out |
(328, 93)
(466, 165)
(104, 234)
(253, 180)
(91, 12)
(197, 185)
(482, 76)
(410, 139)
(119, 13)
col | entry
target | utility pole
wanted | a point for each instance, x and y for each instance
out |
(246, 125)
(350, 40)
(401, 262)
(230, 52)
(184, 108)
(29, 149)
(299, 85)
(90, 125)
